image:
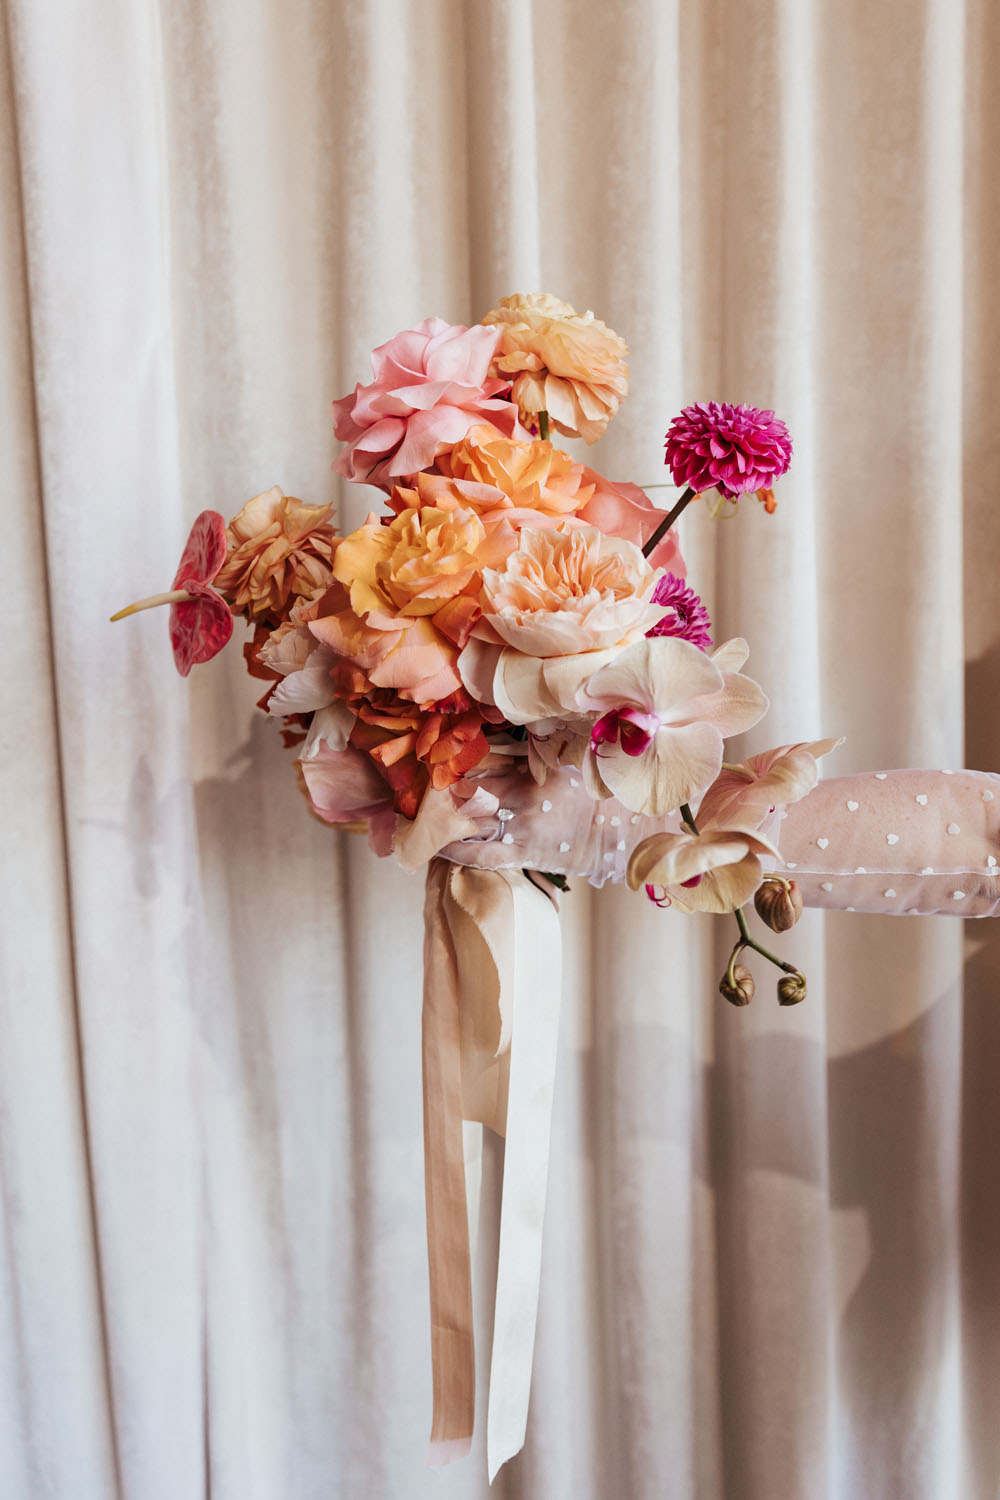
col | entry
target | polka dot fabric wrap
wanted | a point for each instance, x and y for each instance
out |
(902, 842)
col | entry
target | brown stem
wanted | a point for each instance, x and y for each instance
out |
(543, 426)
(668, 521)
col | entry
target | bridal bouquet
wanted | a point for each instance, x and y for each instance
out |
(508, 606)
(504, 675)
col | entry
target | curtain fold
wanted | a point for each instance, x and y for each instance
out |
(770, 1265)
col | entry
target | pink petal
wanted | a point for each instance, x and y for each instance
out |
(204, 551)
(200, 627)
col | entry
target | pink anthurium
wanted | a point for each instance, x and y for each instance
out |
(200, 619)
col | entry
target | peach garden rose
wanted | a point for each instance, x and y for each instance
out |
(568, 590)
(569, 365)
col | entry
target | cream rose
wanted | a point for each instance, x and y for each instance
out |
(569, 589)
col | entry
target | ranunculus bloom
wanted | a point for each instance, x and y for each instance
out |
(560, 362)
(714, 445)
(679, 707)
(716, 869)
(564, 591)
(278, 549)
(429, 385)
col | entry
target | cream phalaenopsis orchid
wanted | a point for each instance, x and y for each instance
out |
(762, 783)
(716, 869)
(665, 709)
(719, 867)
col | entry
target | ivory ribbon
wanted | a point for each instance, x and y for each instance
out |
(492, 978)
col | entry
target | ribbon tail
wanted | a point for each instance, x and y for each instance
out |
(537, 980)
(452, 1339)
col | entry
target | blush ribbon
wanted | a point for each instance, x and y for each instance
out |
(492, 980)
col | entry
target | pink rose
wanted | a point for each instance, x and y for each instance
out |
(625, 510)
(430, 385)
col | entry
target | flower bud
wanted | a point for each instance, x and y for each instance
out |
(741, 991)
(779, 904)
(791, 989)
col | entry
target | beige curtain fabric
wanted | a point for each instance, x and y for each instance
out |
(772, 1256)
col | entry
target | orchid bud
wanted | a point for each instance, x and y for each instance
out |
(741, 991)
(791, 989)
(779, 904)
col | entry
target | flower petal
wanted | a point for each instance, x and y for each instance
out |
(679, 763)
(655, 674)
(204, 551)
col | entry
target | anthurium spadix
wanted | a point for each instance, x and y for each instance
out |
(664, 709)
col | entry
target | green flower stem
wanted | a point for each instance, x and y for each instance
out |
(749, 942)
(543, 426)
(668, 521)
(731, 966)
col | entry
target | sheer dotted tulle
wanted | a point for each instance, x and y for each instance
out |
(924, 828)
(905, 842)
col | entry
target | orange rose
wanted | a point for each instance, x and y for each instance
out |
(411, 597)
(570, 366)
(415, 749)
(278, 550)
(533, 477)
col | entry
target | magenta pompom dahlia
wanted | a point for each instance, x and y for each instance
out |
(686, 616)
(714, 445)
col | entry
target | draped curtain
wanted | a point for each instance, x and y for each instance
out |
(772, 1255)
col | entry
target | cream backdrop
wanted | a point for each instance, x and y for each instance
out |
(772, 1257)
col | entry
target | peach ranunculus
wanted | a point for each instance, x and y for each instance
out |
(570, 366)
(429, 385)
(569, 590)
(279, 549)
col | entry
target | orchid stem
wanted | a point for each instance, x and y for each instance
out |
(543, 426)
(688, 817)
(749, 942)
(668, 521)
(175, 596)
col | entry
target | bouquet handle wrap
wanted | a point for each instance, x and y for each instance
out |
(492, 981)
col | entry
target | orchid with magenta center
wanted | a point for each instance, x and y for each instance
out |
(631, 728)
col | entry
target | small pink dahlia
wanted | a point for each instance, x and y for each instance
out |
(714, 445)
(687, 617)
